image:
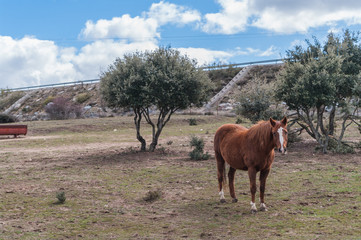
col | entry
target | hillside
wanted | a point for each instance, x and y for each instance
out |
(30, 105)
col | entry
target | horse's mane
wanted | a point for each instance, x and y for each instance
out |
(260, 133)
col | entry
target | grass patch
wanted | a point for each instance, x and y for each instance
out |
(309, 195)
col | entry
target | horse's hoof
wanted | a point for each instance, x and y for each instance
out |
(223, 200)
(234, 200)
(263, 209)
(253, 211)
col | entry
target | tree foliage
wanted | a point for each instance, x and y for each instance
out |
(162, 80)
(322, 81)
(256, 99)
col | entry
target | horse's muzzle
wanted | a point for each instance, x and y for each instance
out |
(284, 150)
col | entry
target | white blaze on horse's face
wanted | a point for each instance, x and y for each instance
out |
(280, 136)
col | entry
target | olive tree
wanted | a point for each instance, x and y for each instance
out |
(162, 80)
(319, 82)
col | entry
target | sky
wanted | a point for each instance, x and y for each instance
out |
(56, 41)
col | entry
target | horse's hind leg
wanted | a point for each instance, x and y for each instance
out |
(231, 174)
(221, 175)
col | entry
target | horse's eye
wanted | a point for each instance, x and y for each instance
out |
(274, 133)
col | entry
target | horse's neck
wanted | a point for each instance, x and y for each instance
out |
(264, 140)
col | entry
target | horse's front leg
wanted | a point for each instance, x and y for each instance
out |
(262, 178)
(252, 180)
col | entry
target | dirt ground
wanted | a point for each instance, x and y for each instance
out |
(113, 191)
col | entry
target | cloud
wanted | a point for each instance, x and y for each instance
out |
(138, 29)
(271, 51)
(164, 13)
(30, 61)
(135, 29)
(280, 16)
(231, 19)
(205, 56)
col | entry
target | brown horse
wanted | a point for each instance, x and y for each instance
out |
(250, 150)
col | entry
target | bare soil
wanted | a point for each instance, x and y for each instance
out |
(106, 180)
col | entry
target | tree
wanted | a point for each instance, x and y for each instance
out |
(319, 82)
(162, 79)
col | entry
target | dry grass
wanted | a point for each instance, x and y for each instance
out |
(96, 164)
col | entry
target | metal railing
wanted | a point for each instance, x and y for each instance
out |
(207, 68)
(55, 85)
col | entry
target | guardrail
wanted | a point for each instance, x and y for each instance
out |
(207, 68)
(55, 85)
(217, 67)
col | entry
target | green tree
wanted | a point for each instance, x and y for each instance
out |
(161, 80)
(322, 78)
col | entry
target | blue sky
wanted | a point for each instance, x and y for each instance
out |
(53, 41)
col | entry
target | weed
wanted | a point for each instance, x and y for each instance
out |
(192, 121)
(198, 152)
(152, 196)
(61, 197)
(82, 97)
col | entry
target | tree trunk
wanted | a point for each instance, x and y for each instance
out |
(137, 121)
(331, 124)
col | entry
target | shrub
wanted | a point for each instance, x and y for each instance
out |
(48, 100)
(255, 101)
(198, 152)
(61, 197)
(152, 196)
(62, 108)
(82, 97)
(192, 121)
(4, 118)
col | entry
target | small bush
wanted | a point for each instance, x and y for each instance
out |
(61, 197)
(192, 121)
(62, 108)
(152, 196)
(198, 152)
(48, 100)
(82, 97)
(4, 118)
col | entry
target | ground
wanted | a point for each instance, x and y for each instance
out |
(107, 184)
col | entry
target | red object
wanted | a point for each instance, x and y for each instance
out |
(13, 130)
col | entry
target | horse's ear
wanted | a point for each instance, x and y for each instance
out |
(284, 121)
(273, 122)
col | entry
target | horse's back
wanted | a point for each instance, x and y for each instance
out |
(226, 130)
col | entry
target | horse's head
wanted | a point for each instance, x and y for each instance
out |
(279, 134)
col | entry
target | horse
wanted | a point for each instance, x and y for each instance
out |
(250, 150)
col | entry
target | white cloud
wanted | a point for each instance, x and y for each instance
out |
(30, 61)
(271, 51)
(164, 12)
(280, 16)
(231, 19)
(97, 56)
(205, 56)
(135, 29)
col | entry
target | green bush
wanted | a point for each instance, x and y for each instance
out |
(255, 101)
(192, 121)
(152, 196)
(4, 118)
(48, 100)
(61, 197)
(198, 152)
(82, 97)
